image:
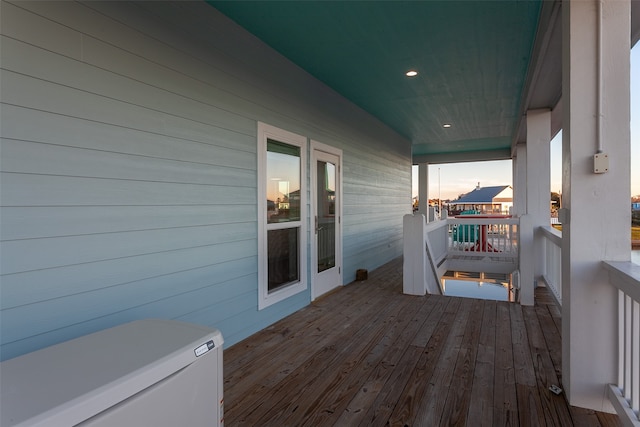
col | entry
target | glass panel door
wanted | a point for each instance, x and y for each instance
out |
(326, 218)
(327, 261)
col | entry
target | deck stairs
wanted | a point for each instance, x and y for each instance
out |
(481, 244)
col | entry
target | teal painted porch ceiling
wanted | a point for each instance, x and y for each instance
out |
(472, 58)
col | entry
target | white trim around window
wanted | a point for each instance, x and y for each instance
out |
(269, 210)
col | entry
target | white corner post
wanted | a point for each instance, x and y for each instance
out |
(423, 189)
(414, 266)
(537, 197)
(519, 167)
(525, 235)
(595, 91)
(525, 229)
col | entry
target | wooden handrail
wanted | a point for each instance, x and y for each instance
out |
(625, 276)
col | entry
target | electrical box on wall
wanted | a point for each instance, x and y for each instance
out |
(600, 163)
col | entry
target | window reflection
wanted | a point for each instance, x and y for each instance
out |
(283, 182)
(326, 210)
(283, 257)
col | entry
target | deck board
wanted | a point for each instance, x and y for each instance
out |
(368, 355)
(459, 395)
(505, 402)
(481, 405)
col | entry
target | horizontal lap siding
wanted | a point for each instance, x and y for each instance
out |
(377, 194)
(129, 169)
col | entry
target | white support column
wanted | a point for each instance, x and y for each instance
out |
(423, 189)
(538, 184)
(520, 180)
(527, 292)
(414, 266)
(595, 85)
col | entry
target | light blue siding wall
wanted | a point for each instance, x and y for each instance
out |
(128, 161)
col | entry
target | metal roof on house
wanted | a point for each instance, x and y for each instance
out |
(481, 195)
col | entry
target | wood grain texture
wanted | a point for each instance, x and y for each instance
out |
(368, 355)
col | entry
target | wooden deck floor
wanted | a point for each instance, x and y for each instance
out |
(367, 355)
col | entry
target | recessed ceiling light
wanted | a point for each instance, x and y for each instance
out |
(411, 73)
(446, 125)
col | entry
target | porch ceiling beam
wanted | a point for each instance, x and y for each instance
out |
(543, 84)
(466, 156)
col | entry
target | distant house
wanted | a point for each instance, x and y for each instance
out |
(486, 200)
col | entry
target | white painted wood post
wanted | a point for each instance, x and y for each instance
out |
(414, 265)
(525, 229)
(519, 166)
(423, 188)
(432, 214)
(595, 91)
(538, 182)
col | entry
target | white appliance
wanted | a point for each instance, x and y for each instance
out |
(144, 373)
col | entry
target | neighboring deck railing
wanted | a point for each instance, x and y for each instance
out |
(552, 261)
(625, 395)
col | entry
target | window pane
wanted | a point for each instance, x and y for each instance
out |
(283, 257)
(283, 182)
(326, 210)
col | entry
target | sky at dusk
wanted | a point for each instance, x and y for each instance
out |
(451, 180)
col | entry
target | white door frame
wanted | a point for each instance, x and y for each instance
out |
(318, 146)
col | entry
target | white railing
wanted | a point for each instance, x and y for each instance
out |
(495, 237)
(436, 238)
(625, 395)
(552, 261)
(420, 266)
(480, 244)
